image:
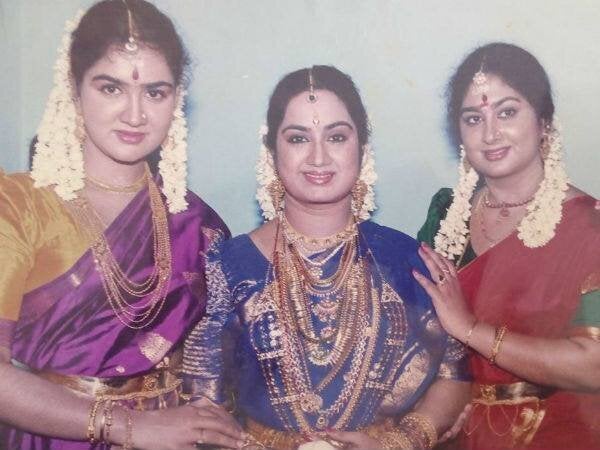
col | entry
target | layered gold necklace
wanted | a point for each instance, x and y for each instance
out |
(349, 307)
(117, 285)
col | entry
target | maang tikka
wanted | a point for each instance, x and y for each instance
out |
(131, 46)
(481, 83)
(312, 97)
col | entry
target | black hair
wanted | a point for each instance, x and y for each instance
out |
(324, 77)
(515, 66)
(106, 24)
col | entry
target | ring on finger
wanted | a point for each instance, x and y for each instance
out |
(441, 279)
(200, 440)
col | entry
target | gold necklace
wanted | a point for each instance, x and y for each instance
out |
(114, 280)
(491, 240)
(312, 243)
(130, 188)
(359, 341)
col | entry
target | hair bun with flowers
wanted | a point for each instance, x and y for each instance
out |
(58, 157)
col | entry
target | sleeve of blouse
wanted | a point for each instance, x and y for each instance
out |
(438, 208)
(16, 253)
(454, 365)
(203, 355)
(587, 318)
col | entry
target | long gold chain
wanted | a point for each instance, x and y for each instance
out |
(356, 337)
(114, 280)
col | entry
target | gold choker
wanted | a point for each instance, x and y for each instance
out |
(127, 189)
(314, 243)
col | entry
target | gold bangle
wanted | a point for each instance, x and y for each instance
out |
(470, 332)
(499, 336)
(416, 423)
(107, 419)
(394, 440)
(128, 445)
(91, 429)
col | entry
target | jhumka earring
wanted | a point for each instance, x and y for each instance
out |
(463, 158)
(359, 192)
(545, 142)
(277, 192)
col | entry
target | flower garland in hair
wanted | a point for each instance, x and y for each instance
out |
(544, 213)
(58, 157)
(173, 159)
(266, 174)
(451, 238)
(368, 175)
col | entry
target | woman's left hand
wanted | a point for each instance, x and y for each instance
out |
(355, 440)
(445, 293)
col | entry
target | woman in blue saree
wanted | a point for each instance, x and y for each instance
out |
(314, 322)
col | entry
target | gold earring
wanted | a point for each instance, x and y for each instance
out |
(277, 192)
(463, 158)
(79, 129)
(545, 142)
(359, 192)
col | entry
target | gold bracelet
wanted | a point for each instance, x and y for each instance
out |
(420, 424)
(107, 419)
(128, 445)
(470, 332)
(91, 429)
(394, 440)
(499, 336)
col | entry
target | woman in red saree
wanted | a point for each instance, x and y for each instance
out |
(521, 285)
(102, 261)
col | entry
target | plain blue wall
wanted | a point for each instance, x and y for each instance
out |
(400, 53)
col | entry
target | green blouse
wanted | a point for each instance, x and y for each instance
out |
(588, 313)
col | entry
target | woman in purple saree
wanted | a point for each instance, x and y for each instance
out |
(103, 261)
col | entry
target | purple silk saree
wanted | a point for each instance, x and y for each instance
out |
(68, 327)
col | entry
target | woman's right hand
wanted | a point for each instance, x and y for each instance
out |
(183, 427)
(458, 425)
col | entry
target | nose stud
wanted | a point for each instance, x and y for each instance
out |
(144, 116)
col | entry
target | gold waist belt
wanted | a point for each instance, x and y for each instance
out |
(150, 385)
(519, 427)
(271, 438)
(515, 393)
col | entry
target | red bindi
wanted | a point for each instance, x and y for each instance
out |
(484, 99)
(135, 75)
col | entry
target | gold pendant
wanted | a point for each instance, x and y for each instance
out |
(315, 272)
(310, 402)
(321, 423)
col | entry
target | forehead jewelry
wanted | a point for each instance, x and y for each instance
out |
(312, 97)
(131, 46)
(481, 84)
